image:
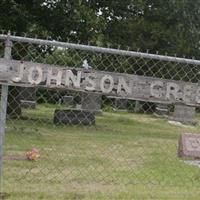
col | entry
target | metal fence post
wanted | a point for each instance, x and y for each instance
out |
(3, 108)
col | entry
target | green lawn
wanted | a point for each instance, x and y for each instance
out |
(125, 156)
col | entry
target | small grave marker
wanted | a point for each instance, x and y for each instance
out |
(118, 103)
(121, 104)
(28, 104)
(189, 145)
(91, 102)
(162, 110)
(28, 93)
(184, 114)
(68, 100)
(138, 107)
(28, 97)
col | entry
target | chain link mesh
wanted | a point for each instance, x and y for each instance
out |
(125, 152)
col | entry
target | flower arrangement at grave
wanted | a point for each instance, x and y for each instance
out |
(33, 154)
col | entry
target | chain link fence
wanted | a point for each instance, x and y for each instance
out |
(70, 144)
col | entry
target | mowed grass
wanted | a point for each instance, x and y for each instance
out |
(124, 156)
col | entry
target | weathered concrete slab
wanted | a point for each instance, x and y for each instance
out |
(129, 86)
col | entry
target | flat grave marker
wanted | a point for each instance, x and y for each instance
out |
(28, 104)
(189, 146)
(74, 117)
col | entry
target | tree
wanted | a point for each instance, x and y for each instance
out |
(158, 25)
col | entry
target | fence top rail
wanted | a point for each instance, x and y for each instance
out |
(100, 49)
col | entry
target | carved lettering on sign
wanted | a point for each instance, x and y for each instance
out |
(122, 85)
(110, 83)
(92, 84)
(21, 74)
(54, 77)
(156, 89)
(35, 75)
(72, 79)
(172, 91)
(187, 92)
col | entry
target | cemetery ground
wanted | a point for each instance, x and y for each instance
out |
(124, 156)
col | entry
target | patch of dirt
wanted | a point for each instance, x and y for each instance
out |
(14, 157)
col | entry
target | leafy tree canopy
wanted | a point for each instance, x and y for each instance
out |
(158, 25)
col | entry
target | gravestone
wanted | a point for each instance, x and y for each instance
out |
(162, 110)
(131, 106)
(28, 104)
(144, 107)
(68, 100)
(189, 145)
(74, 117)
(91, 102)
(120, 104)
(184, 114)
(28, 97)
(138, 107)
(28, 93)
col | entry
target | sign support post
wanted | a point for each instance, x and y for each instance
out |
(3, 109)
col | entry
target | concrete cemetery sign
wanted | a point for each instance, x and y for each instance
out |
(127, 86)
(189, 145)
